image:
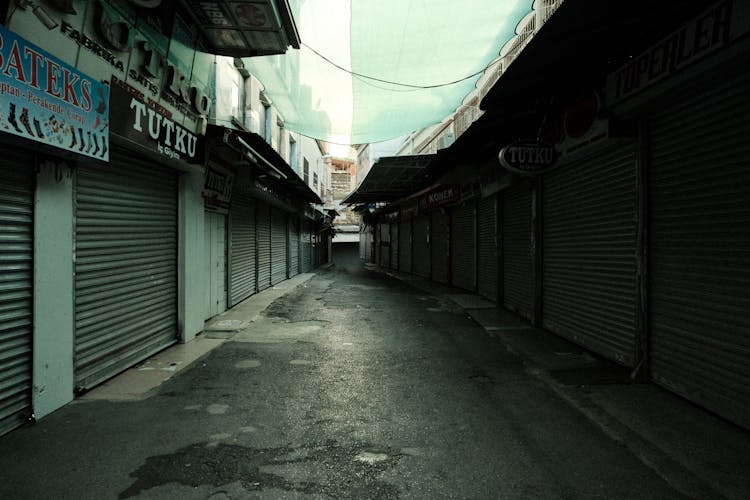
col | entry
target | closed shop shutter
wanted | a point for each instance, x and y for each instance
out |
(278, 246)
(394, 245)
(293, 246)
(488, 255)
(518, 282)
(384, 244)
(699, 256)
(404, 246)
(242, 265)
(16, 282)
(589, 281)
(463, 246)
(126, 266)
(263, 228)
(421, 245)
(439, 247)
(306, 248)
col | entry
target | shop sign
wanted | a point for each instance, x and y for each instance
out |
(527, 157)
(48, 101)
(217, 189)
(146, 123)
(445, 195)
(703, 35)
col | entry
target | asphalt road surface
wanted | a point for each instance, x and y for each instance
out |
(353, 385)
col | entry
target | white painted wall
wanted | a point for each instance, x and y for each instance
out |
(53, 289)
(192, 278)
(229, 87)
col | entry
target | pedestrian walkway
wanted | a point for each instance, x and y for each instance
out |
(350, 383)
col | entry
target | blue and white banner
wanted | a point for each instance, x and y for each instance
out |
(46, 100)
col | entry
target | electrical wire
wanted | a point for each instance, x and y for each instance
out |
(360, 75)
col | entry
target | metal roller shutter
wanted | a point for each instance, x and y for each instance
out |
(463, 246)
(394, 245)
(263, 229)
(404, 246)
(487, 254)
(242, 265)
(589, 281)
(293, 246)
(126, 266)
(421, 243)
(518, 283)
(16, 287)
(306, 248)
(699, 263)
(439, 247)
(384, 244)
(278, 246)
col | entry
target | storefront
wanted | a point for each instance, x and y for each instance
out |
(517, 249)
(17, 183)
(487, 254)
(463, 250)
(589, 250)
(421, 245)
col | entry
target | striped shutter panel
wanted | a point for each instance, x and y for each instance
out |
(439, 247)
(518, 283)
(589, 281)
(404, 246)
(421, 243)
(306, 248)
(394, 245)
(384, 244)
(263, 228)
(126, 266)
(293, 246)
(699, 255)
(278, 246)
(488, 255)
(242, 265)
(463, 246)
(16, 288)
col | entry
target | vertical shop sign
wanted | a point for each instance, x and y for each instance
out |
(48, 101)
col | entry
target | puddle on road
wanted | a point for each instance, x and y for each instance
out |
(319, 469)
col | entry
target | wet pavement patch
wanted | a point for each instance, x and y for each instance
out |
(329, 468)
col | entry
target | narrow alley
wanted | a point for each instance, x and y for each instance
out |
(351, 385)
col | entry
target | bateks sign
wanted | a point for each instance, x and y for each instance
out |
(527, 157)
(217, 189)
(143, 122)
(45, 100)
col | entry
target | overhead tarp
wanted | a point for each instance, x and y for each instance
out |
(362, 64)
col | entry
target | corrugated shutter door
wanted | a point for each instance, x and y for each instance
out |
(241, 248)
(488, 256)
(589, 281)
(385, 244)
(421, 243)
(126, 266)
(394, 245)
(16, 292)
(518, 283)
(699, 257)
(293, 246)
(306, 248)
(463, 246)
(263, 228)
(404, 246)
(278, 246)
(439, 247)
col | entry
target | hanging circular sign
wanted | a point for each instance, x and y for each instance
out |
(527, 157)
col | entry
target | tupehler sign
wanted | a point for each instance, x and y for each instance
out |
(527, 157)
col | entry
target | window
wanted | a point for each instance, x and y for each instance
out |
(315, 179)
(306, 171)
(293, 154)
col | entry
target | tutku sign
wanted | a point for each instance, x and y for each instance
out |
(527, 157)
(147, 123)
